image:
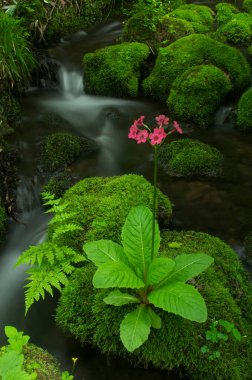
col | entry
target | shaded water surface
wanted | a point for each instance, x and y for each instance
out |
(221, 206)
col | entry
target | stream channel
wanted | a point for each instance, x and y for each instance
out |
(220, 206)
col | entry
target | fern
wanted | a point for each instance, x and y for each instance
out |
(50, 263)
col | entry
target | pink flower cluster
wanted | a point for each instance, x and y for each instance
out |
(158, 134)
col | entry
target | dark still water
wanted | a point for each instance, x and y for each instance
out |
(221, 206)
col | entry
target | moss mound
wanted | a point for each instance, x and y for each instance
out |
(58, 184)
(200, 16)
(197, 93)
(244, 111)
(115, 70)
(238, 30)
(225, 13)
(188, 157)
(3, 223)
(101, 205)
(225, 288)
(247, 5)
(190, 51)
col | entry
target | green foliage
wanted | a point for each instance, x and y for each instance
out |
(16, 59)
(247, 5)
(218, 332)
(225, 288)
(197, 93)
(102, 204)
(238, 30)
(58, 184)
(60, 149)
(200, 16)
(225, 13)
(9, 107)
(51, 264)
(115, 70)
(3, 223)
(188, 157)
(156, 281)
(191, 51)
(244, 111)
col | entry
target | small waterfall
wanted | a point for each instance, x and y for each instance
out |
(28, 194)
(222, 114)
(71, 83)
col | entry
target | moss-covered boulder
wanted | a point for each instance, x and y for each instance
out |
(190, 51)
(197, 93)
(115, 70)
(244, 111)
(3, 223)
(58, 184)
(9, 107)
(200, 16)
(225, 13)
(177, 345)
(247, 5)
(238, 30)
(187, 157)
(101, 205)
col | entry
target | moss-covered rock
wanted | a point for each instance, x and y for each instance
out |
(3, 223)
(225, 288)
(101, 205)
(190, 51)
(247, 5)
(225, 13)
(58, 184)
(188, 157)
(238, 30)
(200, 16)
(115, 70)
(244, 111)
(9, 107)
(197, 93)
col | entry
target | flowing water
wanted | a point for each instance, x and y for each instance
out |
(221, 206)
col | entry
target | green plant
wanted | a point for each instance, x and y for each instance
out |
(200, 16)
(51, 263)
(218, 332)
(154, 281)
(244, 111)
(16, 58)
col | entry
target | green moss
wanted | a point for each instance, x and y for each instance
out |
(238, 30)
(59, 184)
(9, 107)
(225, 13)
(247, 5)
(102, 204)
(199, 15)
(41, 362)
(3, 223)
(197, 93)
(244, 111)
(190, 51)
(188, 157)
(115, 70)
(60, 149)
(225, 288)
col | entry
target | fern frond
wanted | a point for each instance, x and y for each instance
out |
(63, 229)
(62, 217)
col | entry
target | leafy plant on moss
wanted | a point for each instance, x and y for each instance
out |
(154, 281)
(50, 263)
(219, 332)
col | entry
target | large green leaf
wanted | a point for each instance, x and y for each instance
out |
(135, 328)
(137, 238)
(118, 298)
(158, 269)
(102, 251)
(116, 275)
(188, 266)
(155, 319)
(181, 299)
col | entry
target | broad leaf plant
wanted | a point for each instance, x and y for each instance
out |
(152, 281)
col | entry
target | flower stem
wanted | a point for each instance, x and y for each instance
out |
(154, 199)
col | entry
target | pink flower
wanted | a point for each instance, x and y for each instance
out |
(142, 136)
(162, 120)
(133, 132)
(139, 121)
(157, 136)
(177, 127)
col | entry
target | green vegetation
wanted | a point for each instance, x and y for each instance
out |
(177, 344)
(58, 184)
(244, 111)
(16, 59)
(190, 158)
(152, 281)
(200, 16)
(3, 223)
(60, 149)
(23, 361)
(225, 13)
(197, 93)
(115, 70)
(247, 5)
(190, 51)
(238, 30)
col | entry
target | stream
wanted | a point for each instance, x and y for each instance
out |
(220, 206)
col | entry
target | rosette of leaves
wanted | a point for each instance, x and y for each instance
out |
(150, 281)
